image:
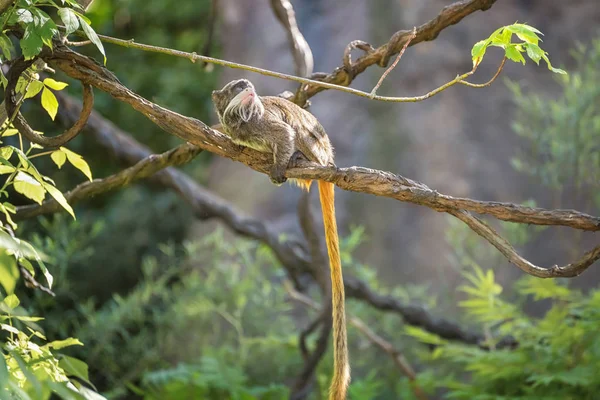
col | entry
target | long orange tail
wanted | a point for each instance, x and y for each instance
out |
(341, 366)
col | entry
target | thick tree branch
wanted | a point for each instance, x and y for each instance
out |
(293, 254)
(143, 169)
(357, 179)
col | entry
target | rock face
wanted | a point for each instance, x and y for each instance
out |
(459, 142)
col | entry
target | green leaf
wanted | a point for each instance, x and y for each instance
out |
(514, 55)
(29, 187)
(24, 16)
(60, 344)
(10, 132)
(9, 328)
(478, 50)
(49, 103)
(47, 32)
(535, 53)
(56, 85)
(526, 33)
(6, 46)
(6, 152)
(78, 162)
(16, 245)
(69, 19)
(4, 376)
(28, 319)
(59, 157)
(91, 34)
(33, 89)
(25, 263)
(9, 273)
(74, 367)
(58, 196)
(31, 44)
(423, 336)
(11, 301)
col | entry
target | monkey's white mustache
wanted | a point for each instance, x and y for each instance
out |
(246, 105)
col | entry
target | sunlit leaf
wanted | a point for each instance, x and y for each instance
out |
(9, 273)
(514, 55)
(10, 132)
(49, 103)
(59, 157)
(59, 344)
(9, 328)
(11, 301)
(33, 89)
(29, 187)
(78, 162)
(56, 85)
(58, 196)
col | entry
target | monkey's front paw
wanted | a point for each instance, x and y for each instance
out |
(296, 158)
(277, 175)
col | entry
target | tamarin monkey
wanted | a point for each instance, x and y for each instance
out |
(274, 125)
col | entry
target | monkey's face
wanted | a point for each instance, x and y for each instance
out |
(241, 90)
(238, 97)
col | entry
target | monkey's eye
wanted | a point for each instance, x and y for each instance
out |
(238, 88)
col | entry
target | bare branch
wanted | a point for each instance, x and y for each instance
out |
(391, 67)
(488, 233)
(488, 83)
(303, 58)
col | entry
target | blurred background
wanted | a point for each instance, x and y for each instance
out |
(172, 307)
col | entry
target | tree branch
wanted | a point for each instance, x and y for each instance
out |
(303, 58)
(292, 254)
(342, 77)
(357, 179)
(143, 169)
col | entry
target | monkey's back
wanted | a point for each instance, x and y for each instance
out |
(309, 135)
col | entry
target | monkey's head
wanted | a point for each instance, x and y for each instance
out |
(238, 99)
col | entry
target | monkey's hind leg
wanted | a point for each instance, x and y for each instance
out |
(303, 184)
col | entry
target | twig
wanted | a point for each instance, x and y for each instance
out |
(488, 83)
(377, 340)
(391, 67)
(78, 44)
(449, 15)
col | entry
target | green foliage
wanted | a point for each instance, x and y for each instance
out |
(562, 133)
(529, 45)
(556, 356)
(39, 29)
